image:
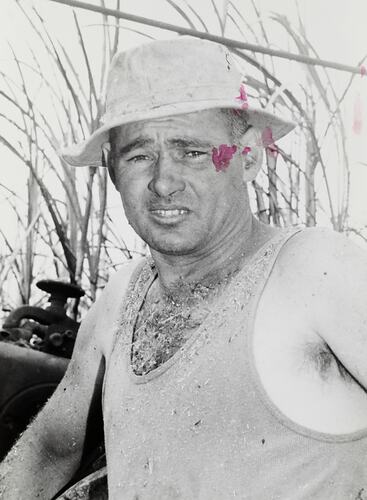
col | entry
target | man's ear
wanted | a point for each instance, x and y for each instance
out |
(251, 150)
(107, 161)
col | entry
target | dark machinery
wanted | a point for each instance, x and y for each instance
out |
(35, 347)
(48, 330)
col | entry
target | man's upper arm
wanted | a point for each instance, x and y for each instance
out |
(48, 454)
(64, 418)
(332, 271)
(66, 414)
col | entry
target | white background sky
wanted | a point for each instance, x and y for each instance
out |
(336, 28)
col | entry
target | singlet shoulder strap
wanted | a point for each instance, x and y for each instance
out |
(126, 295)
(263, 264)
(275, 246)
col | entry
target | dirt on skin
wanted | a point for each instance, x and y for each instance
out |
(167, 321)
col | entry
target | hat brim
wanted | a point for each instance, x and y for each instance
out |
(89, 152)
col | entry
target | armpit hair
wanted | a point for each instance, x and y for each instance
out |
(325, 361)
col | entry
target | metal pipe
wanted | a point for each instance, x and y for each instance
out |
(228, 42)
(45, 317)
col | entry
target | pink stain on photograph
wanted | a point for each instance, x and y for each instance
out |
(358, 115)
(243, 97)
(222, 156)
(363, 70)
(268, 141)
(246, 150)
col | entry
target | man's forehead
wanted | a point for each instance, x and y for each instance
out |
(190, 126)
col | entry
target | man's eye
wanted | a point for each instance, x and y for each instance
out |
(195, 154)
(138, 158)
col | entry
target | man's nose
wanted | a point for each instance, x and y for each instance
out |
(166, 178)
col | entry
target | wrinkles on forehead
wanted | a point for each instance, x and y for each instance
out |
(193, 130)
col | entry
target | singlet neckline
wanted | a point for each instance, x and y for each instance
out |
(216, 305)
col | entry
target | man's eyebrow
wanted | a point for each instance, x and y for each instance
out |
(188, 142)
(182, 142)
(137, 143)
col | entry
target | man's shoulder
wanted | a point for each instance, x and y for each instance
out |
(316, 246)
(118, 282)
(104, 313)
(317, 238)
(320, 258)
(125, 272)
(115, 289)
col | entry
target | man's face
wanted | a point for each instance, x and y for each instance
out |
(173, 196)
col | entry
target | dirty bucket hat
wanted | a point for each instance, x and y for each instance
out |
(171, 77)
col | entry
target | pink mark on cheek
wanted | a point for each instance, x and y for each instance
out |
(268, 141)
(246, 150)
(243, 97)
(358, 116)
(363, 70)
(222, 156)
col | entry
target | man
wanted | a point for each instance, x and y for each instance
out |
(232, 364)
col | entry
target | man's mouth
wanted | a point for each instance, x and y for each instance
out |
(169, 213)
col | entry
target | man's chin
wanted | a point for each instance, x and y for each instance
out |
(172, 246)
(180, 239)
(172, 249)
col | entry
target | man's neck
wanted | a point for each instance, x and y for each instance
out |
(177, 275)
